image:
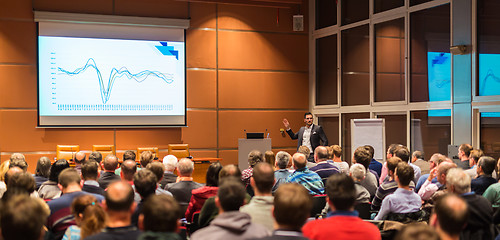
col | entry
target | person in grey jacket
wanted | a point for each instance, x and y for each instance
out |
(231, 223)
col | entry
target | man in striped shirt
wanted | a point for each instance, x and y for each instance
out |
(323, 168)
(305, 177)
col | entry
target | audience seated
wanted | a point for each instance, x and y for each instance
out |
(200, 195)
(128, 170)
(429, 189)
(159, 218)
(307, 152)
(254, 157)
(403, 200)
(231, 223)
(170, 162)
(119, 206)
(259, 207)
(479, 223)
(374, 164)
(492, 193)
(145, 184)
(463, 155)
(60, 217)
(389, 154)
(49, 189)
(362, 156)
(449, 216)
(323, 168)
(417, 231)
(291, 206)
(89, 216)
(96, 156)
(474, 156)
(158, 169)
(42, 171)
(79, 159)
(181, 190)
(388, 186)
(127, 155)
(281, 173)
(90, 174)
(22, 217)
(417, 158)
(403, 153)
(335, 158)
(342, 222)
(109, 165)
(358, 173)
(434, 161)
(4, 167)
(269, 157)
(485, 168)
(19, 182)
(146, 158)
(305, 177)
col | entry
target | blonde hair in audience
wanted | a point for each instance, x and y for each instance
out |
(4, 167)
(91, 216)
(357, 172)
(269, 157)
(304, 150)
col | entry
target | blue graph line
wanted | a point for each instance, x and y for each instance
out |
(116, 73)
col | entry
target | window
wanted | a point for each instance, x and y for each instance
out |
(384, 5)
(488, 46)
(326, 13)
(331, 127)
(490, 130)
(395, 129)
(430, 131)
(326, 70)
(354, 11)
(355, 67)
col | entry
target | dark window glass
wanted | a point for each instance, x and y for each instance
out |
(390, 63)
(384, 5)
(354, 11)
(430, 131)
(430, 63)
(355, 67)
(326, 13)
(331, 127)
(488, 33)
(326, 70)
(490, 130)
(395, 129)
(346, 134)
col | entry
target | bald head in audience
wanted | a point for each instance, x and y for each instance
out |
(119, 202)
(449, 216)
(80, 157)
(110, 163)
(185, 167)
(128, 168)
(299, 160)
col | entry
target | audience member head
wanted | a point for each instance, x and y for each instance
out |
(417, 155)
(464, 151)
(230, 195)
(185, 167)
(391, 149)
(292, 206)
(20, 163)
(23, 217)
(269, 157)
(341, 192)
(336, 151)
(128, 155)
(4, 167)
(362, 156)
(110, 163)
(230, 170)
(157, 168)
(57, 168)
(129, 167)
(146, 158)
(17, 156)
(19, 183)
(392, 163)
(486, 165)
(89, 215)
(320, 154)
(43, 167)
(80, 157)
(254, 157)
(304, 150)
(212, 177)
(90, 170)
(458, 181)
(357, 172)
(436, 159)
(263, 178)
(96, 156)
(308, 118)
(119, 198)
(450, 215)
(371, 150)
(10, 173)
(299, 160)
(170, 162)
(417, 231)
(404, 174)
(403, 153)
(160, 213)
(282, 159)
(442, 171)
(69, 177)
(145, 183)
(474, 156)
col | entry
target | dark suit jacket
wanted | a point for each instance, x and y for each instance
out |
(107, 178)
(317, 136)
(182, 190)
(167, 178)
(93, 189)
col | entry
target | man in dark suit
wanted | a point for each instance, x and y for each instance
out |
(170, 162)
(310, 135)
(109, 165)
(181, 190)
(90, 174)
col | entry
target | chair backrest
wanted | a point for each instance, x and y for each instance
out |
(319, 202)
(105, 150)
(364, 210)
(179, 150)
(154, 150)
(67, 151)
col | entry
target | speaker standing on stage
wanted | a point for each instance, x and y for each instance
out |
(310, 135)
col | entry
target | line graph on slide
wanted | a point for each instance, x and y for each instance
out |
(114, 75)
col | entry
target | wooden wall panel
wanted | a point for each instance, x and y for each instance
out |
(19, 87)
(16, 9)
(265, 89)
(233, 123)
(203, 153)
(249, 50)
(255, 18)
(201, 131)
(152, 8)
(158, 137)
(75, 6)
(229, 157)
(17, 42)
(203, 15)
(200, 49)
(201, 88)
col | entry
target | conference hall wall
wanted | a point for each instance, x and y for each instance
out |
(246, 69)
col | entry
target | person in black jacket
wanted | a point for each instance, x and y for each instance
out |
(90, 174)
(310, 135)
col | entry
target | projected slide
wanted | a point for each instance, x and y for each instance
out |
(489, 74)
(110, 77)
(439, 79)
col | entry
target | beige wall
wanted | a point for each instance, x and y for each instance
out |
(245, 71)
